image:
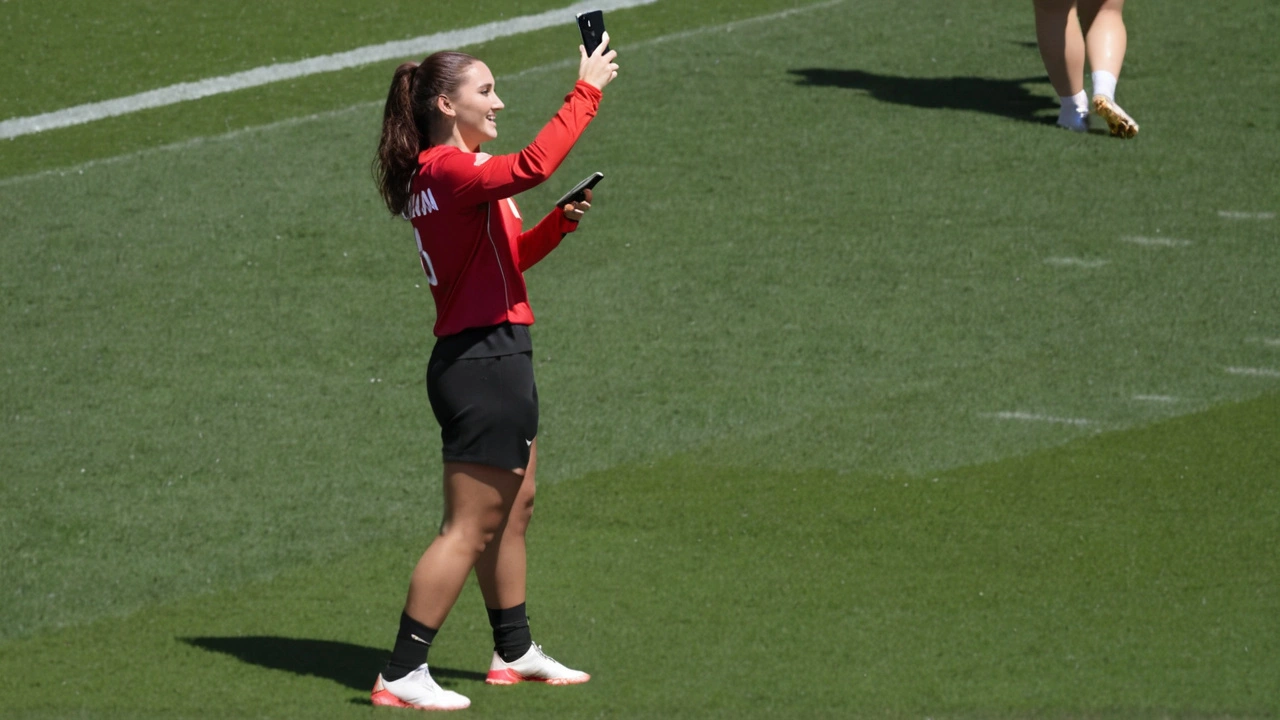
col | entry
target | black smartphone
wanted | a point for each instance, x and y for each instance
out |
(591, 24)
(579, 191)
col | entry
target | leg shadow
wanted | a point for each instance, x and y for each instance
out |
(354, 666)
(1005, 98)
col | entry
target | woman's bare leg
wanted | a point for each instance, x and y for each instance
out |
(478, 499)
(1106, 42)
(1106, 38)
(1061, 43)
(501, 572)
(501, 568)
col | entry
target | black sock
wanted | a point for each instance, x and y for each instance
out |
(511, 638)
(412, 643)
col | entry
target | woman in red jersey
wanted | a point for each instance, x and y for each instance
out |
(472, 246)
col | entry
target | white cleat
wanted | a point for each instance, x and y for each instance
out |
(534, 666)
(417, 690)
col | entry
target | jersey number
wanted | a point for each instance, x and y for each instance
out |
(426, 260)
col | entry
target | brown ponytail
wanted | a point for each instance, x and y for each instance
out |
(407, 121)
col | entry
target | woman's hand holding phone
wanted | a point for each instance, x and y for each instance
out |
(598, 69)
(575, 209)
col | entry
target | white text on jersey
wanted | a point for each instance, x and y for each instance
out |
(424, 203)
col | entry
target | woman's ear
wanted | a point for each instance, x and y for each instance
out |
(444, 106)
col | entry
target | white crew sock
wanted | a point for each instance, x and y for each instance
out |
(1104, 84)
(1078, 102)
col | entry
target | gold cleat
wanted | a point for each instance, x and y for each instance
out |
(1122, 126)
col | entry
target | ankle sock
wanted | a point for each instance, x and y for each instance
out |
(1079, 103)
(412, 643)
(511, 636)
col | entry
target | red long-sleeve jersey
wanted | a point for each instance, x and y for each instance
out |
(469, 230)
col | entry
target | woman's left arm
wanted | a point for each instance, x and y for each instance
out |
(544, 237)
(536, 244)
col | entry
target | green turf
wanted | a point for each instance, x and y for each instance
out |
(833, 247)
(1126, 575)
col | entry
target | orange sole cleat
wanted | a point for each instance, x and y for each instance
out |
(511, 677)
(383, 697)
(535, 666)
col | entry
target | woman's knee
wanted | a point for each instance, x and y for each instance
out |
(472, 533)
(478, 499)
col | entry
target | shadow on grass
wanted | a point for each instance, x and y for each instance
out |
(354, 666)
(1005, 98)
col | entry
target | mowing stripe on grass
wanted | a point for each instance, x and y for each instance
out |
(1155, 241)
(1254, 372)
(1034, 417)
(415, 47)
(1242, 215)
(739, 23)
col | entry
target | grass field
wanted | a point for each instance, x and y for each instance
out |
(866, 391)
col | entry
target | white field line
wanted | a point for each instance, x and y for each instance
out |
(1269, 342)
(1254, 372)
(1244, 215)
(290, 122)
(406, 49)
(1155, 241)
(1075, 262)
(232, 135)
(1034, 417)
(1156, 398)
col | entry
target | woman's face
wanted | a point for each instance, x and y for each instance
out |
(476, 106)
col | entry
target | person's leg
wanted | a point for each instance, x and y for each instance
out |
(1106, 42)
(1106, 38)
(1062, 50)
(477, 499)
(1061, 44)
(501, 571)
(501, 568)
